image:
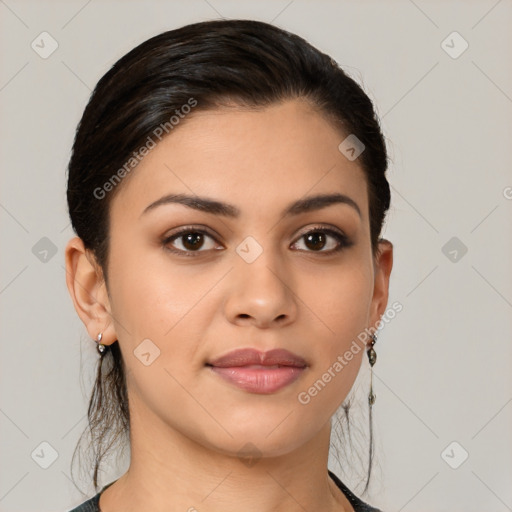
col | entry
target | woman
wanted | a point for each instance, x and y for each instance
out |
(227, 188)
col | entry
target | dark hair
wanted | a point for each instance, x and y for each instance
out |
(207, 65)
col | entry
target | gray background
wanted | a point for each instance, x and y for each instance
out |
(443, 370)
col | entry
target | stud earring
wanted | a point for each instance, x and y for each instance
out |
(372, 358)
(101, 348)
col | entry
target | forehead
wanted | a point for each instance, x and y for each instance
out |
(263, 157)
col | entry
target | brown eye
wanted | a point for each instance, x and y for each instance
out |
(315, 241)
(324, 241)
(192, 241)
(189, 241)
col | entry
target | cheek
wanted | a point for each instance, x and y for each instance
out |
(341, 304)
(170, 305)
(339, 301)
(147, 294)
(342, 314)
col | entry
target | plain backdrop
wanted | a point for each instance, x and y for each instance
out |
(440, 74)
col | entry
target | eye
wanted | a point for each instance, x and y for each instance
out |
(188, 241)
(324, 240)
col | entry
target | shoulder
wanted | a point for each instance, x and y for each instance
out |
(89, 505)
(93, 504)
(357, 503)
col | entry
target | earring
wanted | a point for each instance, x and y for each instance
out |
(101, 348)
(372, 358)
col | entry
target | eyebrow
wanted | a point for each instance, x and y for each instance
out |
(205, 204)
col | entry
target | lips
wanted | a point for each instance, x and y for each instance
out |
(259, 372)
(249, 356)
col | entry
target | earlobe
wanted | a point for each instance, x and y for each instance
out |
(383, 267)
(88, 292)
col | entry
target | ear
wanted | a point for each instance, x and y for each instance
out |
(88, 290)
(382, 266)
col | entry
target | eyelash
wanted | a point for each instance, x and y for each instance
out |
(343, 241)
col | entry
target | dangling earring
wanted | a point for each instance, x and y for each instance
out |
(101, 348)
(372, 357)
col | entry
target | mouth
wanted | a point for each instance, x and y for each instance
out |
(259, 372)
(250, 356)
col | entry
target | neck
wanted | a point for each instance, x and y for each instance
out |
(169, 471)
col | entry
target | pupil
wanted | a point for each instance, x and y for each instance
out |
(193, 241)
(315, 240)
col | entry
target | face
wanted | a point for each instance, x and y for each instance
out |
(188, 285)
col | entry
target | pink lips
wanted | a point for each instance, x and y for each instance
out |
(259, 372)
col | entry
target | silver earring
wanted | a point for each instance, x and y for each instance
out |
(101, 348)
(372, 358)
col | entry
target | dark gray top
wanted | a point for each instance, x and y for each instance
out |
(358, 505)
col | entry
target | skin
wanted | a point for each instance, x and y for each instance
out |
(187, 424)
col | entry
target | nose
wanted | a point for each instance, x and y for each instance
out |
(261, 295)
